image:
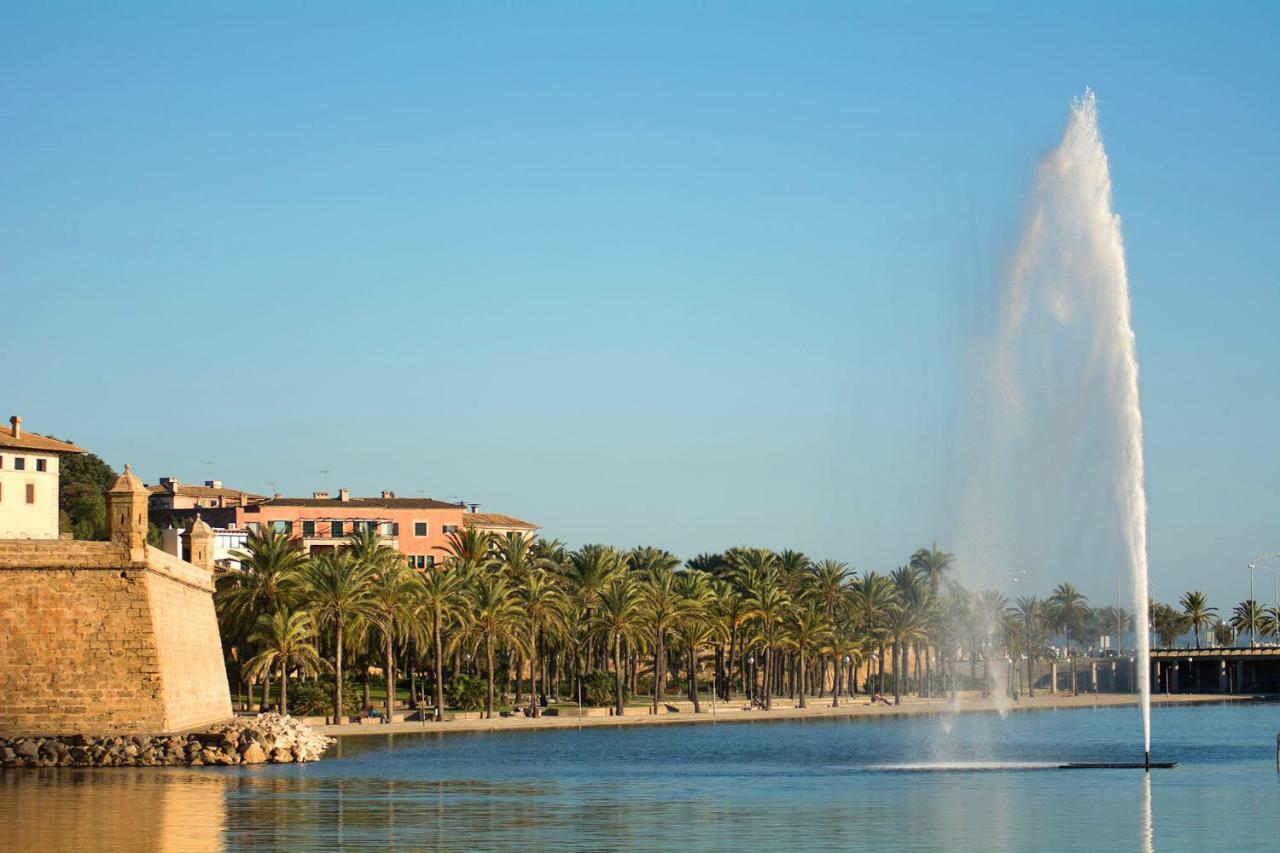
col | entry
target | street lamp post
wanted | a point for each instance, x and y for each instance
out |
(1253, 630)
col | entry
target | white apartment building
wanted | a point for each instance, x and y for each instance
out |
(29, 482)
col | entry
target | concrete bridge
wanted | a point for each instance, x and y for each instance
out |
(1218, 670)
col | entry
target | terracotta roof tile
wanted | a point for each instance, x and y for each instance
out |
(36, 442)
(495, 519)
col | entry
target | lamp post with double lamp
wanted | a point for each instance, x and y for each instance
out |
(1253, 630)
(751, 676)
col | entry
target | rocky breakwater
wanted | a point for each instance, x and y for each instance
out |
(264, 739)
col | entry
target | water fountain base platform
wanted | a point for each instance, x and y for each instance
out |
(1121, 765)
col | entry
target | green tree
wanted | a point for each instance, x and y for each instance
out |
(339, 594)
(494, 619)
(443, 593)
(1195, 605)
(284, 640)
(618, 619)
(1068, 612)
(83, 479)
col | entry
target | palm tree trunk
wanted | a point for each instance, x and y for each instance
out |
(802, 678)
(488, 654)
(1031, 686)
(284, 688)
(439, 666)
(880, 677)
(657, 678)
(768, 680)
(413, 673)
(337, 672)
(835, 684)
(693, 679)
(391, 679)
(897, 677)
(533, 670)
(266, 690)
(617, 675)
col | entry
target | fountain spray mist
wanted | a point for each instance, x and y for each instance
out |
(1058, 483)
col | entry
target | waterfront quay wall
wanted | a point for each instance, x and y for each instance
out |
(99, 638)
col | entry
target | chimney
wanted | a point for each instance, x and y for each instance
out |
(16, 422)
(387, 494)
(318, 496)
(474, 507)
(344, 495)
(170, 483)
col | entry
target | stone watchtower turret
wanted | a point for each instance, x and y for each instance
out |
(200, 538)
(127, 514)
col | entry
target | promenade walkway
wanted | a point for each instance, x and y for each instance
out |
(782, 710)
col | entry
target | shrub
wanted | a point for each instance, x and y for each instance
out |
(315, 698)
(466, 692)
(597, 688)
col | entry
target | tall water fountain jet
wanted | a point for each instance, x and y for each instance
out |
(1061, 484)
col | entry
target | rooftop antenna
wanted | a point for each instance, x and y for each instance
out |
(209, 465)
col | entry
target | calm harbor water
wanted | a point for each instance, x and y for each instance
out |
(821, 784)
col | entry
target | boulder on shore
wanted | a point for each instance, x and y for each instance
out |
(266, 738)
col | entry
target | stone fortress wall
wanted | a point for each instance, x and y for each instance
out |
(108, 637)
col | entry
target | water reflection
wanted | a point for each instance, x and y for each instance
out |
(1148, 837)
(774, 786)
(160, 809)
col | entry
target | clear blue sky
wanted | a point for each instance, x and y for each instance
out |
(690, 275)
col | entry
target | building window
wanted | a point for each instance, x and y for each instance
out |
(449, 528)
(308, 528)
(19, 463)
(31, 493)
(282, 526)
(419, 528)
(335, 528)
(42, 464)
(252, 526)
(417, 561)
(431, 561)
(395, 528)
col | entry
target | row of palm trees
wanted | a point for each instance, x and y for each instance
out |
(1194, 615)
(532, 612)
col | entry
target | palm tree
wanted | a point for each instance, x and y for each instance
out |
(1028, 621)
(521, 558)
(339, 594)
(663, 607)
(1068, 610)
(932, 564)
(768, 608)
(268, 579)
(697, 628)
(396, 594)
(845, 647)
(494, 618)
(545, 607)
(393, 585)
(470, 549)
(1252, 617)
(806, 631)
(443, 600)
(284, 639)
(909, 621)
(1195, 605)
(618, 619)
(873, 600)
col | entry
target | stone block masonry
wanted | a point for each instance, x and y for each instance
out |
(102, 638)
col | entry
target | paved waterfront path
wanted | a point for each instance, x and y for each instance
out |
(783, 710)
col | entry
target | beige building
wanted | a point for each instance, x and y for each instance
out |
(29, 482)
(172, 493)
(498, 524)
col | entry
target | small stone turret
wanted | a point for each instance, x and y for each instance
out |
(200, 540)
(127, 514)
